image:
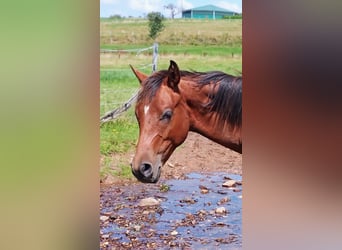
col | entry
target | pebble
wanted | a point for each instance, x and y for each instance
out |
(202, 211)
(148, 202)
(221, 210)
(229, 183)
(188, 200)
(223, 200)
(204, 191)
(137, 228)
(174, 232)
(104, 218)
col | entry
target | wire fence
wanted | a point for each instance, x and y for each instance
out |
(138, 51)
(113, 108)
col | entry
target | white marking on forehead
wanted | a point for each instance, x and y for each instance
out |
(146, 108)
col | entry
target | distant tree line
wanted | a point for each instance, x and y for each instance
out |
(236, 16)
(115, 17)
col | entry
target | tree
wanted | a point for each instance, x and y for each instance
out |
(155, 23)
(173, 8)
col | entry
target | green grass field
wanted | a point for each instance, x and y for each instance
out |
(200, 45)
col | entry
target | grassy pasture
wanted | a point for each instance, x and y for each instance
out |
(177, 32)
(194, 44)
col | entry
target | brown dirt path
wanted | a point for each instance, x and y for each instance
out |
(196, 154)
(199, 154)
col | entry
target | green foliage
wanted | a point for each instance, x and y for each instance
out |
(125, 171)
(118, 17)
(155, 23)
(120, 169)
(164, 187)
(238, 16)
(119, 135)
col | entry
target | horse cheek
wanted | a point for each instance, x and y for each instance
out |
(181, 131)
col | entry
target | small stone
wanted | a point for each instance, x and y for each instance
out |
(105, 236)
(148, 202)
(188, 200)
(172, 244)
(202, 211)
(104, 218)
(229, 183)
(204, 191)
(223, 200)
(174, 232)
(221, 210)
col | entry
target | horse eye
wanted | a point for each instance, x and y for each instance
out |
(166, 115)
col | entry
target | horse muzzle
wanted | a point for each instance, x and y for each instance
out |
(147, 173)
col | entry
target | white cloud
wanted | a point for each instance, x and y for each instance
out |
(146, 6)
(109, 1)
(186, 4)
(229, 6)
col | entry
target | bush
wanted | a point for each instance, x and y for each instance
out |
(155, 23)
(238, 16)
(116, 17)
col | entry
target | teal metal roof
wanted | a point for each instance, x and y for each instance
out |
(211, 8)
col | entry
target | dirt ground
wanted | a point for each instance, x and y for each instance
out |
(196, 154)
(199, 154)
(187, 214)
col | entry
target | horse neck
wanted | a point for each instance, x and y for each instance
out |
(205, 123)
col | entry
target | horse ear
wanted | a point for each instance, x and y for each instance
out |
(174, 76)
(141, 76)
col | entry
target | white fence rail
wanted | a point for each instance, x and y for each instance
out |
(113, 114)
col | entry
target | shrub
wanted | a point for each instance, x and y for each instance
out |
(155, 23)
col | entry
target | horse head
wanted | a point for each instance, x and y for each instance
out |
(163, 121)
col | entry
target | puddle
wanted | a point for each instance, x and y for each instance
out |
(195, 213)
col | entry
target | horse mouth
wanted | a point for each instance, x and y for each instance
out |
(151, 179)
(147, 172)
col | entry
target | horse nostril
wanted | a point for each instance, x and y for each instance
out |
(146, 170)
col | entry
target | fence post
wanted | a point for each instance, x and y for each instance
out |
(155, 57)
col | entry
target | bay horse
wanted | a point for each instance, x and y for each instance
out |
(171, 103)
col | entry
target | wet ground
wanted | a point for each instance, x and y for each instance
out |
(200, 211)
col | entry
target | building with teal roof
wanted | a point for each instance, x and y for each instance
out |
(207, 12)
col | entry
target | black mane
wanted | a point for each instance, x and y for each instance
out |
(152, 84)
(226, 102)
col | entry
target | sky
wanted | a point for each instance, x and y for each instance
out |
(139, 8)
